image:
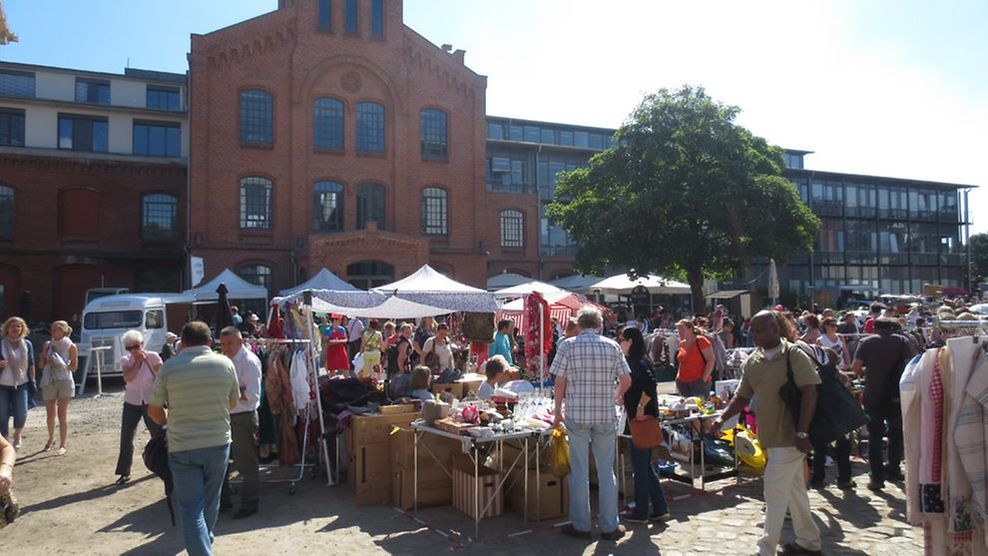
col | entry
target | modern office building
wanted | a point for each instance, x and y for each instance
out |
(92, 185)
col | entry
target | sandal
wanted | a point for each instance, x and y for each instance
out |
(61, 451)
(48, 446)
(124, 479)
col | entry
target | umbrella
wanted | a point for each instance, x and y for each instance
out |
(223, 316)
(773, 281)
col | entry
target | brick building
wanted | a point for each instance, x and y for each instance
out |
(326, 133)
(92, 185)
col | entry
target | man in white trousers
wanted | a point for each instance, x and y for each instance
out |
(787, 442)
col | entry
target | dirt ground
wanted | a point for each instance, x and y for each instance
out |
(70, 506)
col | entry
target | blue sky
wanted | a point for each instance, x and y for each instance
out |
(884, 87)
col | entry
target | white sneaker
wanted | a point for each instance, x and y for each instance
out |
(17, 444)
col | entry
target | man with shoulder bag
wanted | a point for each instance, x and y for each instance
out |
(764, 373)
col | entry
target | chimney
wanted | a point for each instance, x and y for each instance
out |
(459, 55)
(447, 48)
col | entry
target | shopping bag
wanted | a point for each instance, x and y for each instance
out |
(560, 453)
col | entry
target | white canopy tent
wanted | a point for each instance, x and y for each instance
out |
(429, 287)
(505, 280)
(391, 308)
(237, 288)
(579, 283)
(620, 284)
(528, 287)
(323, 280)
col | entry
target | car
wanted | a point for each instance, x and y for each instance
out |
(979, 309)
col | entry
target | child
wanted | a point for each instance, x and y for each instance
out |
(421, 376)
(494, 369)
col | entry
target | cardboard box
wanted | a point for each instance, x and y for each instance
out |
(464, 492)
(375, 429)
(435, 487)
(402, 449)
(549, 501)
(455, 387)
(398, 408)
(369, 474)
(469, 386)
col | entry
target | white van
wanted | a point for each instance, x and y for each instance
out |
(105, 319)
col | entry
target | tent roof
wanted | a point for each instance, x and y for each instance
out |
(323, 280)
(528, 287)
(576, 283)
(561, 298)
(237, 288)
(390, 308)
(505, 280)
(620, 284)
(427, 280)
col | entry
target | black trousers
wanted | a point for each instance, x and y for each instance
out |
(842, 456)
(132, 415)
(882, 421)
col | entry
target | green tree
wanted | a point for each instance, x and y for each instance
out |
(6, 36)
(979, 258)
(686, 192)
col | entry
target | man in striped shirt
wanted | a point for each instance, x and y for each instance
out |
(199, 388)
(591, 375)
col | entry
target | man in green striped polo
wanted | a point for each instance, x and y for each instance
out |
(199, 388)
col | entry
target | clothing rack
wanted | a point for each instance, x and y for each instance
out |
(313, 379)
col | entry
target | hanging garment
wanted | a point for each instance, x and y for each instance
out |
(300, 380)
(968, 449)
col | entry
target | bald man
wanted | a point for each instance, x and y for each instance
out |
(787, 442)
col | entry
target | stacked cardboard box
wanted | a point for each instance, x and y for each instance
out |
(550, 500)
(465, 493)
(368, 446)
(435, 483)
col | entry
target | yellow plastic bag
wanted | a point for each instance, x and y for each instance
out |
(560, 453)
(749, 449)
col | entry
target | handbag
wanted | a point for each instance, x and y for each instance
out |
(837, 414)
(645, 433)
(432, 358)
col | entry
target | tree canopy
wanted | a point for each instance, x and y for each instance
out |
(979, 258)
(684, 192)
(6, 36)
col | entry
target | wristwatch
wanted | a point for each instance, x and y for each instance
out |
(802, 435)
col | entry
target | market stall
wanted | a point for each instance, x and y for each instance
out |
(527, 288)
(237, 288)
(429, 287)
(322, 280)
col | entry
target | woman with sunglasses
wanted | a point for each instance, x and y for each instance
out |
(140, 369)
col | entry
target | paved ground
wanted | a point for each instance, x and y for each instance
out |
(69, 506)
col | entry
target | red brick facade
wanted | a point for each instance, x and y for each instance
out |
(77, 225)
(286, 54)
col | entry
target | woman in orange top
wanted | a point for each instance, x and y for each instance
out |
(696, 361)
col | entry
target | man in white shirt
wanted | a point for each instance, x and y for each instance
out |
(243, 422)
(354, 335)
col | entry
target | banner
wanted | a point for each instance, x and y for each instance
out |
(197, 271)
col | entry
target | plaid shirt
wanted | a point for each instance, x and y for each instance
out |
(590, 364)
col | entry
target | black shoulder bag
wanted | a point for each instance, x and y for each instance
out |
(837, 412)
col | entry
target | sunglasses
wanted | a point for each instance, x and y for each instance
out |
(132, 348)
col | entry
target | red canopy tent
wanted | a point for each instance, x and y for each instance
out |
(562, 306)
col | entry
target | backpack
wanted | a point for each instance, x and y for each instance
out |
(156, 460)
(720, 354)
(393, 356)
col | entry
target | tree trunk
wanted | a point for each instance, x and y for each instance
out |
(695, 279)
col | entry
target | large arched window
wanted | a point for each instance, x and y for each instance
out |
(512, 228)
(259, 275)
(370, 127)
(327, 206)
(434, 219)
(255, 203)
(256, 117)
(370, 205)
(327, 123)
(6, 212)
(370, 274)
(159, 215)
(433, 134)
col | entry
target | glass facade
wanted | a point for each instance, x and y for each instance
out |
(157, 139)
(164, 98)
(92, 91)
(549, 134)
(83, 133)
(16, 84)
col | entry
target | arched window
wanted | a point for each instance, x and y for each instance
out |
(327, 206)
(256, 117)
(370, 205)
(434, 220)
(433, 134)
(255, 203)
(257, 274)
(370, 274)
(159, 216)
(6, 212)
(327, 123)
(512, 228)
(370, 127)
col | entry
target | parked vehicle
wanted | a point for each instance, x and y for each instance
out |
(106, 318)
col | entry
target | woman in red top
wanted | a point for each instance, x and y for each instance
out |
(696, 361)
(336, 356)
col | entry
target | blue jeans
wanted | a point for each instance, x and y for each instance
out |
(601, 438)
(647, 487)
(198, 477)
(13, 403)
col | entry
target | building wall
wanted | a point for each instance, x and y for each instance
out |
(285, 54)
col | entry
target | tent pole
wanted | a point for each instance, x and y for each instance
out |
(541, 350)
(314, 377)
